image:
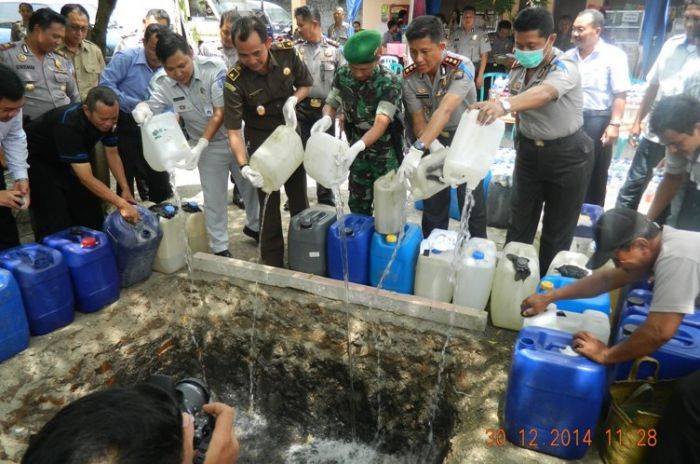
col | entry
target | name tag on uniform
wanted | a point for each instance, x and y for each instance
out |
(209, 111)
(183, 107)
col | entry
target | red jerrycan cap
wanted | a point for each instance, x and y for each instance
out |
(88, 242)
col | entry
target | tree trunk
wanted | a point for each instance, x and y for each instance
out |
(98, 34)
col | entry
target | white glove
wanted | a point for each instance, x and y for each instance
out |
(350, 155)
(289, 112)
(195, 153)
(435, 145)
(410, 163)
(322, 125)
(142, 113)
(253, 176)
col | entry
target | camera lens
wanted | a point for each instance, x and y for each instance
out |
(194, 394)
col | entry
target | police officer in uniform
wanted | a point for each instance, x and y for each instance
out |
(193, 88)
(370, 97)
(135, 39)
(19, 28)
(268, 80)
(339, 31)
(437, 88)
(554, 155)
(224, 50)
(323, 57)
(47, 75)
(469, 42)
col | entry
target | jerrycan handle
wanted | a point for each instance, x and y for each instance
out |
(40, 259)
(638, 362)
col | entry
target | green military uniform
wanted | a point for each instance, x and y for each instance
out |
(323, 59)
(48, 83)
(88, 64)
(361, 102)
(258, 99)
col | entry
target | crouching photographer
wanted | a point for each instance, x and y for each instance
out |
(157, 422)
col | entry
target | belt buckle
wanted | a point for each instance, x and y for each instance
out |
(539, 143)
(315, 103)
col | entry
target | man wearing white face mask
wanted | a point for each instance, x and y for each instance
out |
(554, 155)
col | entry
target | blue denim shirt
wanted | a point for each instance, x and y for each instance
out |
(128, 74)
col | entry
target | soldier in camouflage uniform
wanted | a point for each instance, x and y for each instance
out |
(370, 96)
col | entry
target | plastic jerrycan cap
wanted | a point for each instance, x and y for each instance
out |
(478, 254)
(547, 286)
(169, 211)
(307, 221)
(391, 238)
(88, 242)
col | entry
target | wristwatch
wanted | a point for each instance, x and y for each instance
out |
(418, 145)
(505, 104)
(615, 122)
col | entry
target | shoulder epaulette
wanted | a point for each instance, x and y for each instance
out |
(410, 69)
(333, 43)
(299, 41)
(7, 46)
(234, 72)
(451, 60)
(283, 45)
(60, 53)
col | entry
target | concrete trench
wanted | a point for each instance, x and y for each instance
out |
(201, 326)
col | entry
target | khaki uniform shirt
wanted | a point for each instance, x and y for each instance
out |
(339, 34)
(322, 59)
(470, 44)
(88, 64)
(48, 83)
(257, 98)
(229, 55)
(455, 75)
(560, 117)
(194, 103)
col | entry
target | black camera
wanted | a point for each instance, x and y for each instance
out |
(191, 395)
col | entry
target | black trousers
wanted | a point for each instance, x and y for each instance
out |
(306, 117)
(436, 209)
(678, 431)
(152, 185)
(594, 125)
(9, 236)
(60, 201)
(647, 156)
(554, 175)
(271, 238)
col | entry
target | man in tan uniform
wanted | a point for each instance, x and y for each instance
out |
(268, 79)
(88, 64)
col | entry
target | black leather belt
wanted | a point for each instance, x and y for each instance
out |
(549, 143)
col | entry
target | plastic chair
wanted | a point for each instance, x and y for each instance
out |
(493, 76)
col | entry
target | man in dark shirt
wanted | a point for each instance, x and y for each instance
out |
(65, 192)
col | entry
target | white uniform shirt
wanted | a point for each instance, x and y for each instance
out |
(14, 143)
(677, 272)
(677, 61)
(603, 73)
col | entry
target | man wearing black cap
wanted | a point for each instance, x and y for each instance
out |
(639, 247)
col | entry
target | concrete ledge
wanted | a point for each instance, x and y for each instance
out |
(405, 305)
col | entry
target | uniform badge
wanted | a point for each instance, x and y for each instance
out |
(22, 57)
(315, 102)
(459, 75)
(29, 87)
(57, 62)
(261, 110)
(516, 86)
(63, 88)
(286, 71)
(475, 36)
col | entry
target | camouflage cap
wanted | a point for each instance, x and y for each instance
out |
(362, 47)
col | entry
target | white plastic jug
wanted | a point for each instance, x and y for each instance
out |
(164, 144)
(472, 149)
(278, 157)
(595, 322)
(426, 182)
(173, 247)
(517, 276)
(389, 204)
(567, 258)
(321, 159)
(477, 268)
(196, 229)
(434, 266)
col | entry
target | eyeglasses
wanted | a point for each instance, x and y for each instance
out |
(76, 28)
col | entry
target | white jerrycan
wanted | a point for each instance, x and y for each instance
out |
(471, 150)
(278, 157)
(389, 204)
(426, 180)
(595, 322)
(164, 144)
(322, 159)
(568, 258)
(173, 247)
(477, 267)
(197, 238)
(517, 276)
(434, 266)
